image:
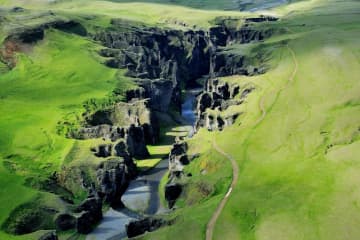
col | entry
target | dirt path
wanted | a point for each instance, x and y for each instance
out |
(290, 80)
(211, 224)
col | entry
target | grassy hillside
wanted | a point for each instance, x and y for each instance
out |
(219, 5)
(49, 84)
(200, 4)
(297, 141)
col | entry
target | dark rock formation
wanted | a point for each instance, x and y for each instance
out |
(177, 160)
(90, 213)
(262, 18)
(161, 92)
(159, 58)
(49, 236)
(113, 177)
(132, 121)
(226, 31)
(135, 140)
(220, 96)
(29, 35)
(139, 227)
(172, 192)
(85, 223)
(154, 53)
(65, 221)
(34, 34)
(104, 150)
(205, 101)
(101, 131)
(121, 151)
(135, 94)
(17, 9)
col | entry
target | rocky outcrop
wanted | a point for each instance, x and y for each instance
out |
(136, 94)
(136, 144)
(65, 221)
(262, 18)
(37, 33)
(227, 31)
(219, 96)
(172, 192)
(101, 131)
(133, 122)
(139, 227)
(154, 53)
(113, 177)
(178, 158)
(228, 63)
(49, 236)
(161, 92)
(20, 39)
(89, 214)
(158, 58)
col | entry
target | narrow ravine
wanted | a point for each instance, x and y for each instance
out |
(142, 196)
(188, 107)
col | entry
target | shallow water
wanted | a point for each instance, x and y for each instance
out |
(188, 109)
(142, 196)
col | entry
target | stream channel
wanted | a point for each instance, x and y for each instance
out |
(142, 196)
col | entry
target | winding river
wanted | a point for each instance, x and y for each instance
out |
(142, 196)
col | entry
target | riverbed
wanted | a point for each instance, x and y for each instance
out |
(142, 196)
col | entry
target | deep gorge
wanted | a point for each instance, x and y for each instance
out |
(163, 63)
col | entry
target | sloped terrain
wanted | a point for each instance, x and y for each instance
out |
(280, 98)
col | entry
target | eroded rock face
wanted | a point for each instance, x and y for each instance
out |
(178, 158)
(90, 213)
(262, 18)
(65, 221)
(85, 223)
(154, 53)
(161, 92)
(49, 236)
(132, 122)
(122, 114)
(139, 227)
(172, 192)
(113, 177)
(218, 96)
(226, 31)
(135, 140)
(135, 94)
(37, 33)
(158, 58)
(101, 131)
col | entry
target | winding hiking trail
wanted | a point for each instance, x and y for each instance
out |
(235, 175)
(290, 80)
(210, 226)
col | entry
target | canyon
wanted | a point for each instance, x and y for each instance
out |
(163, 63)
